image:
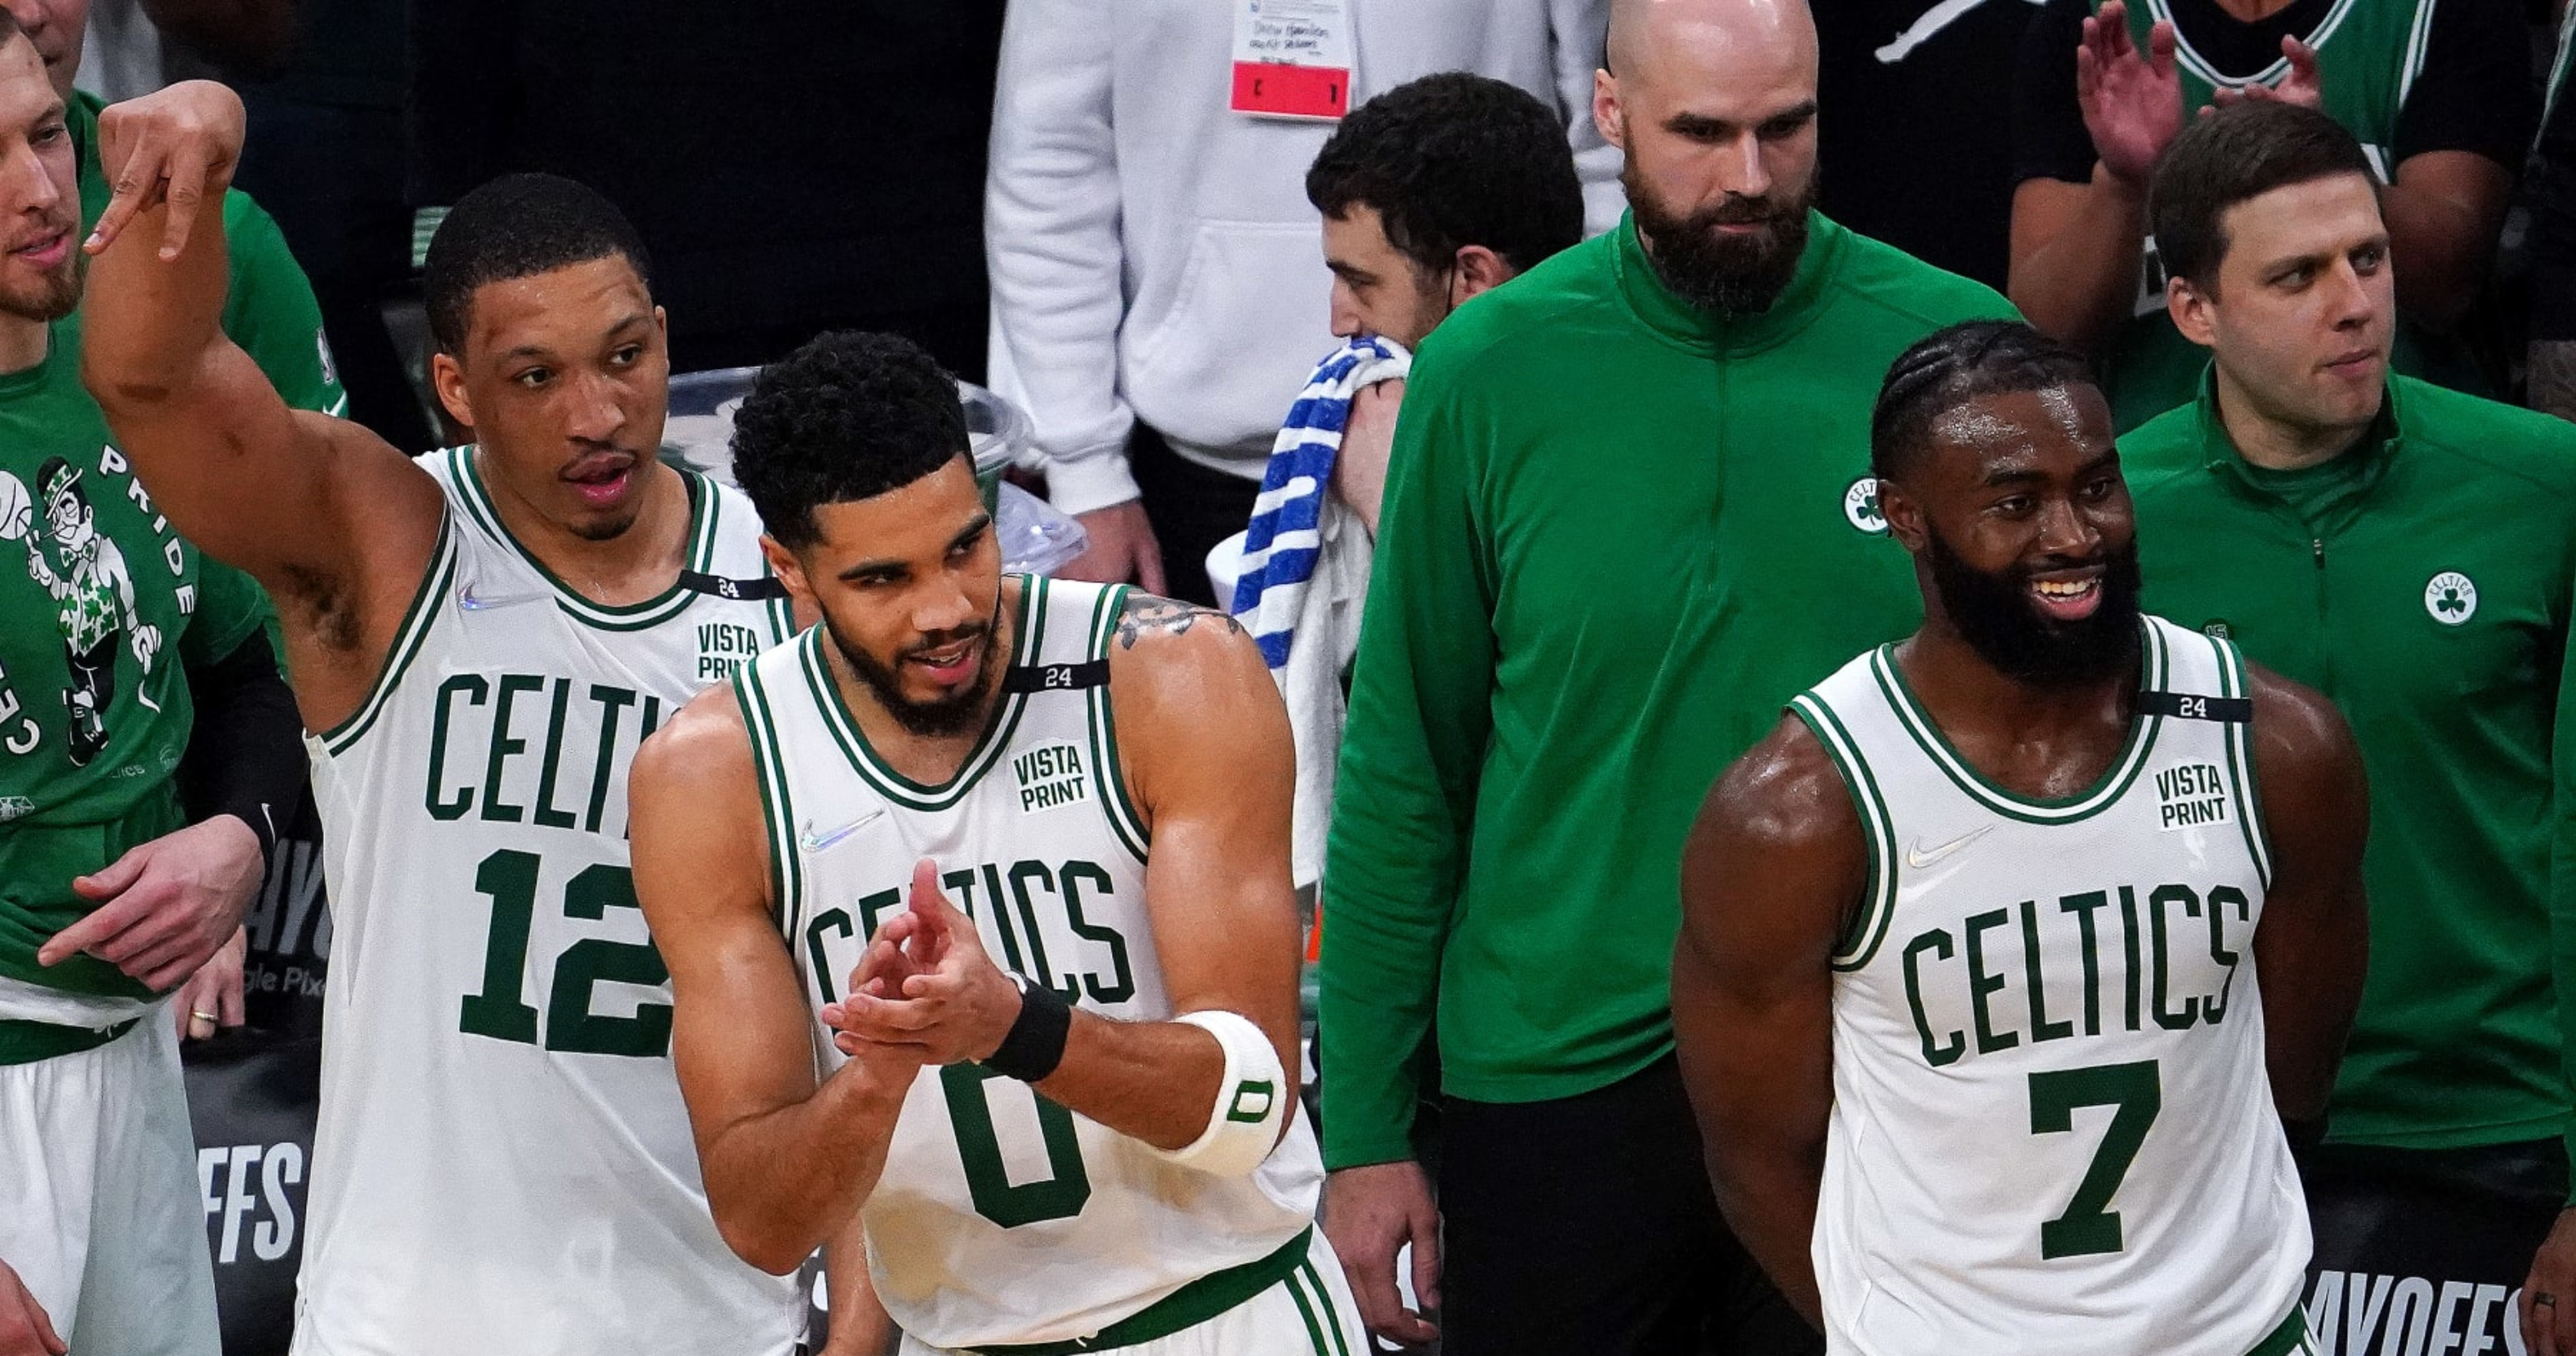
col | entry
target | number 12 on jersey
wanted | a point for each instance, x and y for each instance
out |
(501, 1010)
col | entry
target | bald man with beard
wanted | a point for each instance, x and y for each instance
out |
(1630, 515)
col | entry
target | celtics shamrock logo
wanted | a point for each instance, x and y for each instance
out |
(1860, 506)
(2451, 598)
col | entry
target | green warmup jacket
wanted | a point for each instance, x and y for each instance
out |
(2422, 581)
(1619, 534)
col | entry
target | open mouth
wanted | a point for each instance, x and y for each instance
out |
(2068, 596)
(951, 664)
(601, 478)
(46, 253)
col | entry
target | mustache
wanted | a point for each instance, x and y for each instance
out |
(1735, 212)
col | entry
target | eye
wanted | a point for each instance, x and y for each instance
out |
(2100, 488)
(2368, 259)
(533, 378)
(2014, 505)
(2296, 278)
(48, 134)
(627, 356)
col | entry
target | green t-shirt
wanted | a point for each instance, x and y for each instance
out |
(103, 606)
(2430, 598)
(1619, 535)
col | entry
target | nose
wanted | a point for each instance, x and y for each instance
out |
(1346, 311)
(941, 605)
(2064, 530)
(596, 414)
(25, 186)
(1743, 174)
(2352, 300)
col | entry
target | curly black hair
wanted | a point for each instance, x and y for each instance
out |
(517, 226)
(849, 416)
(1952, 366)
(1451, 160)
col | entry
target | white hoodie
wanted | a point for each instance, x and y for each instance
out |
(1153, 255)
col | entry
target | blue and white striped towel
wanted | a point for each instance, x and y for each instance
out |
(1280, 547)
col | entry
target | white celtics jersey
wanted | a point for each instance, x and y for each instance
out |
(1003, 1218)
(2052, 1130)
(503, 1165)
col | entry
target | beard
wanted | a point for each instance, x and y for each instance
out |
(940, 717)
(1725, 275)
(1995, 615)
(55, 295)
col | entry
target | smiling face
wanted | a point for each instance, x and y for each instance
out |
(565, 380)
(909, 584)
(2022, 521)
(2303, 309)
(39, 192)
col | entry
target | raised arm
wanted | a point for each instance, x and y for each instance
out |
(1203, 741)
(2077, 243)
(337, 525)
(1772, 870)
(788, 1160)
(2313, 945)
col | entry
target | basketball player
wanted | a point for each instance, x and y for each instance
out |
(479, 640)
(2001, 967)
(1059, 1088)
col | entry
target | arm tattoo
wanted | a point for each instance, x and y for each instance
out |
(1143, 612)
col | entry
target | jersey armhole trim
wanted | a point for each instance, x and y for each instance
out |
(1124, 819)
(416, 624)
(786, 868)
(2232, 682)
(1868, 927)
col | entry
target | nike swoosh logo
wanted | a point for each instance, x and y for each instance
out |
(816, 842)
(471, 601)
(1920, 857)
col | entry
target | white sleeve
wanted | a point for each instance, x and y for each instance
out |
(1579, 28)
(1051, 245)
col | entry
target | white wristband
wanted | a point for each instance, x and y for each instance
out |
(1252, 1100)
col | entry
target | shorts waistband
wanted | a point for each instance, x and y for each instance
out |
(28, 1042)
(1187, 1307)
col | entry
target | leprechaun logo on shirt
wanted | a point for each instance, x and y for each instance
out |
(93, 592)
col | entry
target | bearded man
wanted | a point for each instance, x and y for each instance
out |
(1630, 515)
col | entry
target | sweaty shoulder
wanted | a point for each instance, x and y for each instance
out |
(2298, 734)
(1876, 276)
(1785, 795)
(704, 743)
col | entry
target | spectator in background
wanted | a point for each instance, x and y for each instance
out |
(323, 82)
(2438, 93)
(1147, 243)
(793, 165)
(1432, 193)
(1926, 164)
(2552, 195)
(1628, 515)
(2406, 550)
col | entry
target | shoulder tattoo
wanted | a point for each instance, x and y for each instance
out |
(1143, 612)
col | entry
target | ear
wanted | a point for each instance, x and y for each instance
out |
(1607, 116)
(790, 572)
(448, 379)
(2191, 310)
(1478, 269)
(1904, 516)
(662, 325)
